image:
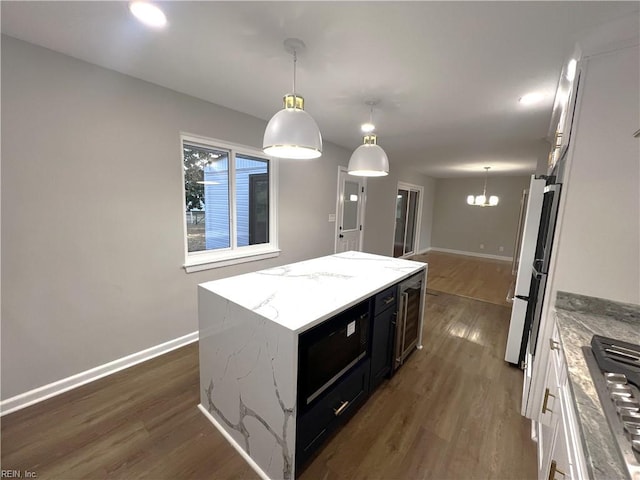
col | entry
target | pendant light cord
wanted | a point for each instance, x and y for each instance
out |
(295, 60)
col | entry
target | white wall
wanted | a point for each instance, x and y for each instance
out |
(599, 239)
(92, 233)
(381, 209)
(462, 227)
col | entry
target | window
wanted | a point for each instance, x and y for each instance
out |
(229, 202)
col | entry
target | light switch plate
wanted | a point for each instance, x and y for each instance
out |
(332, 217)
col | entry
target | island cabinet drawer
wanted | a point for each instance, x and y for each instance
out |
(385, 299)
(330, 411)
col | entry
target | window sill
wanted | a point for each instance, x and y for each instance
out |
(207, 262)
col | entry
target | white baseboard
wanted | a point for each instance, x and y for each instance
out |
(39, 394)
(471, 254)
(234, 444)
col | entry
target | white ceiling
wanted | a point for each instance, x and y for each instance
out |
(448, 74)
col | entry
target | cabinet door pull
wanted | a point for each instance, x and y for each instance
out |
(404, 321)
(554, 469)
(388, 300)
(553, 345)
(547, 394)
(338, 411)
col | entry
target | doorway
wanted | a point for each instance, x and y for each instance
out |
(408, 213)
(350, 212)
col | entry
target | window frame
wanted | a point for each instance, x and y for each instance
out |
(233, 255)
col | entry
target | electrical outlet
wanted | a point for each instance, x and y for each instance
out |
(482, 246)
(501, 249)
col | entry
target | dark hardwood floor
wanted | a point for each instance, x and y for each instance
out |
(138, 423)
(451, 412)
(479, 278)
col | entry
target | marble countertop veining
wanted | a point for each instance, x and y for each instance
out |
(578, 318)
(301, 295)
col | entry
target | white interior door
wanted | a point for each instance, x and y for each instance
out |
(350, 212)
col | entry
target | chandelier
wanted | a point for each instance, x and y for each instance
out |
(482, 200)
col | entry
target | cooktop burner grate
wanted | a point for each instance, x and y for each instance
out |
(614, 366)
(617, 356)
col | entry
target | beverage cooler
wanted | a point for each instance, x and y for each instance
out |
(408, 324)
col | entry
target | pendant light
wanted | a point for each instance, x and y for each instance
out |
(481, 200)
(369, 159)
(292, 132)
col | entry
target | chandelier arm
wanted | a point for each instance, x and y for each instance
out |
(486, 175)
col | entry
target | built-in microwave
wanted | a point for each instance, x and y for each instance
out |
(329, 350)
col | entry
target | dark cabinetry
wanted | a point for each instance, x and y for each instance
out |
(382, 335)
(331, 411)
(339, 363)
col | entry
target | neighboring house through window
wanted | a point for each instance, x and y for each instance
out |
(230, 203)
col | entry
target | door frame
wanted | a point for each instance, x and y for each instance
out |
(418, 225)
(340, 201)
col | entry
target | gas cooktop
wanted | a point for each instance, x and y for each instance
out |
(615, 368)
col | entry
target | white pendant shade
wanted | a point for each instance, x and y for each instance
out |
(292, 133)
(369, 160)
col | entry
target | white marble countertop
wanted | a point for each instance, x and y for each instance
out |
(579, 318)
(301, 295)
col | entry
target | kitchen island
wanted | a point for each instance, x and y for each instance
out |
(250, 326)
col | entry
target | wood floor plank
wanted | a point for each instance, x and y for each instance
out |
(478, 278)
(451, 412)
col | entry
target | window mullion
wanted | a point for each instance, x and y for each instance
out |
(232, 200)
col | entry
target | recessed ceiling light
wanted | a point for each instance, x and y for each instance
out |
(367, 127)
(531, 98)
(148, 14)
(571, 69)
